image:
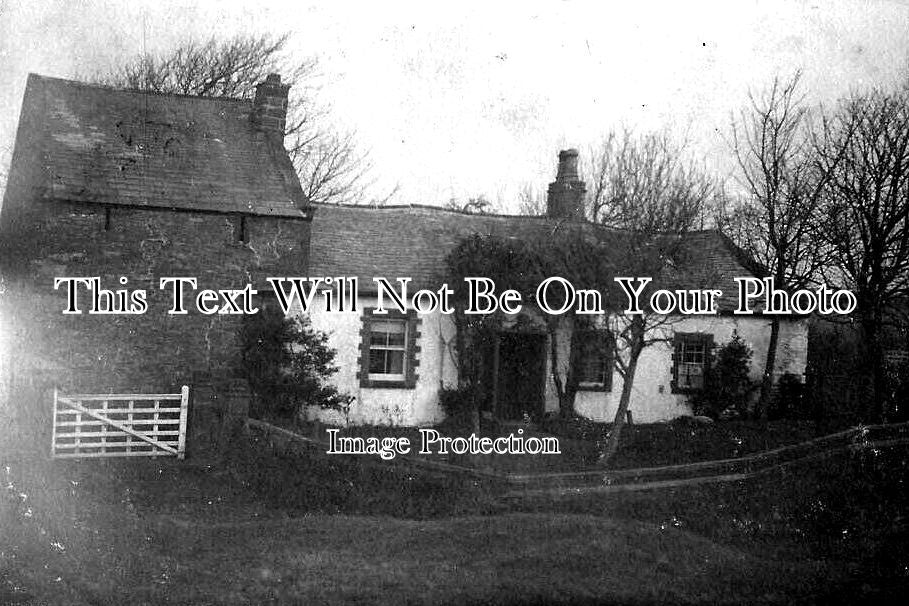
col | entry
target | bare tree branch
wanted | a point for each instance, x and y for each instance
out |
(777, 225)
(531, 200)
(646, 183)
(864, 147)
(331, 167)
(645, 186)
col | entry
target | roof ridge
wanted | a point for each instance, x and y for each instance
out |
(134, 91)
(442, 209)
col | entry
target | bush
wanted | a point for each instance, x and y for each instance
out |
(727, 388)
(459, 409)
(790, 401)
(287, 363)
(575, 427)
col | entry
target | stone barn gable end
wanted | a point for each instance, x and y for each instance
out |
(134, 186)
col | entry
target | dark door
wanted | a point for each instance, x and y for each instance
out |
(519, 384)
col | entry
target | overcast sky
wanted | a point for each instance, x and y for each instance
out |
(476, 98)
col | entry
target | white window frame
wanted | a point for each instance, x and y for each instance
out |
(398, 377)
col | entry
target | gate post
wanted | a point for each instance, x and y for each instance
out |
(220, 406)
(236, 411)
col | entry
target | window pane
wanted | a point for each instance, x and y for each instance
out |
(388, 326)
(692, 353)
(377, 362)
(394, 362)
(593, 371)
(387, 334)
(691, 361)
(691, 375)
(396, 339)
(387, 345)
(594, 360)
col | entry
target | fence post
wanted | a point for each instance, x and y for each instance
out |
(54, 425)
(184, 412)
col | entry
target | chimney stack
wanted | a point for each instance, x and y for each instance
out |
(566, 193)
(270, 107)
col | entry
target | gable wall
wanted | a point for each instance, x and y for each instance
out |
(152, 351)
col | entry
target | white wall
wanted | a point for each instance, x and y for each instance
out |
(652, 398)
(418, 406)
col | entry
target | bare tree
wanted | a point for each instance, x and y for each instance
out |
(331, 167)
(644, 186)
(531, 200)
(777, 223)
(478, 205)
(646, 183)
(864, 148)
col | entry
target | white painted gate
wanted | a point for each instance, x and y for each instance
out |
(120, 425)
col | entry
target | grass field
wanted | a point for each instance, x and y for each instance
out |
(268, 529)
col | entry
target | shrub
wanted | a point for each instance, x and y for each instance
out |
(575, 427)
(461, 414)
(455, 401)
(727, 388)
(287, 363)
(897, 378)
(790, 401)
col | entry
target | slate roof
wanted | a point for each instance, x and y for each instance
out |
(105, 145)
(413, 241)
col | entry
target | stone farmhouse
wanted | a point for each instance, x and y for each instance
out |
(129, 187)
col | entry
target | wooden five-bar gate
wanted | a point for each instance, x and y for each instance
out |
(120, 425)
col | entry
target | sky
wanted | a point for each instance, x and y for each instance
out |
(472, 99)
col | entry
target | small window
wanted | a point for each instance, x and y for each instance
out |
(240, 229)
(690, 359)
(595, 358)
(388, 350)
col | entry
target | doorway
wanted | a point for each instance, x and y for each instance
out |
(520, 368)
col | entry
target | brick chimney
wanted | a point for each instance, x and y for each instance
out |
(270, 107)
(566, 193)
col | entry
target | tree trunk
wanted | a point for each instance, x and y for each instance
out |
(763, 406)
(612, 446)
(874, 357)
(567, 390)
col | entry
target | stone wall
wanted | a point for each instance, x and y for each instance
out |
(150, 351)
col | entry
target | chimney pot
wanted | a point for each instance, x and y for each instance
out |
(565, 198)
(568, 165)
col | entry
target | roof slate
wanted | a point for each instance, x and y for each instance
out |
(111, 146)
(414, 241)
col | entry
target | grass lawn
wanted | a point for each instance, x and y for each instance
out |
(642, 445)
(270, 529)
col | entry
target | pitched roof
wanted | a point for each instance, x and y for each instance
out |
(112, 146)
(414, 241)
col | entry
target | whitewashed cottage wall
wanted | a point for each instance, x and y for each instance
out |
(652, 398)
